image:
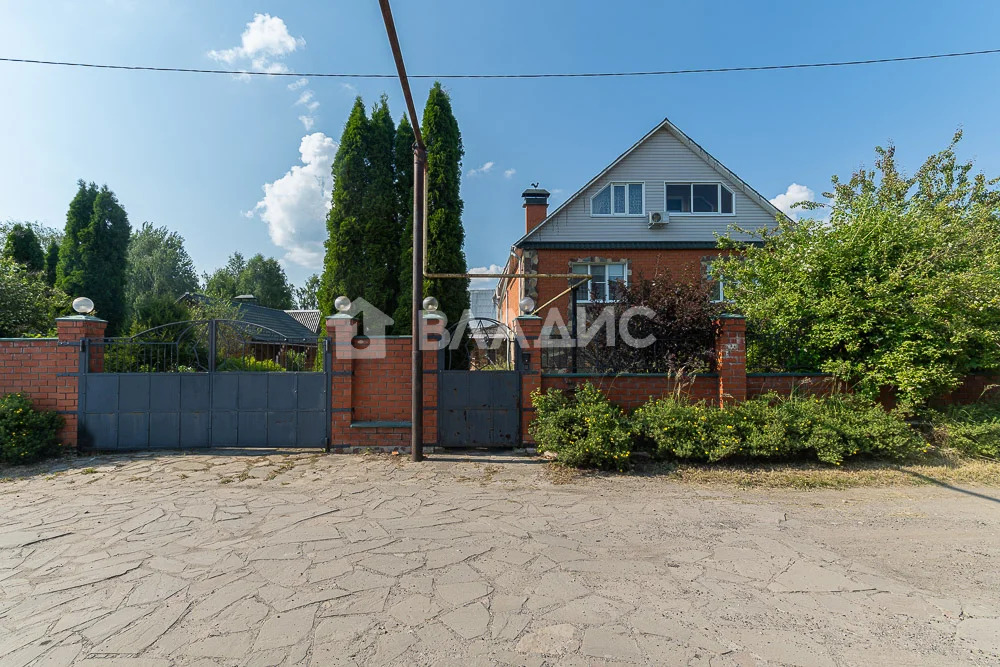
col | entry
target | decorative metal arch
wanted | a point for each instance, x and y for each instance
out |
(480, 343)
(197, 345)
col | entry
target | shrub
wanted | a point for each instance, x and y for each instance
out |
(249, 363)
(26, 435)
(583, 429)
(828, 429)
(970, 429)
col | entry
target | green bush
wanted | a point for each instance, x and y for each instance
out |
(829, 429)
(583, 429)
(26, 435)
(973, 430)
(249, 363)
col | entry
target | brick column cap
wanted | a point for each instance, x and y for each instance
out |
(340, 317)
(528, 317)
(80, 318)
(732, 316)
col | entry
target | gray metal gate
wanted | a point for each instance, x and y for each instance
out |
(137, 393)
(479, 409)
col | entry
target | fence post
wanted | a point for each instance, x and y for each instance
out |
(341, 329)
(72, 333)
(529, 362)
(731, 359)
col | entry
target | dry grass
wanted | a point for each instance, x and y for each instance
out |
(941, 470)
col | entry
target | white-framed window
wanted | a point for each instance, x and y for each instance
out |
(699, 199)
(619, 199)
(717, 286)
(606, 281)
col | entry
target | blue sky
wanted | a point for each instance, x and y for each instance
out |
(194, 152)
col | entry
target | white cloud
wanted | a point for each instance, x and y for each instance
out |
(508, 173)
(298, 83)
(485, 169)
(794, 194)
(265, 40)
(295, 205)
(308, 122)
(484, 283)
(349, 87)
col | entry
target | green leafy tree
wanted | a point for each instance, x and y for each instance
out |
(27, 304)
(900, 288)
(307, 296)
(23, 247)
(343, 266)
(43, 233)
(445, 233)
(403, 149)
(51, 263)
(266, 280)
(94, 252)
(259, 276)
(158, 267)
(224, 282)
(382, 229)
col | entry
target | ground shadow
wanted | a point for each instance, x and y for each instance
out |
(951, 487)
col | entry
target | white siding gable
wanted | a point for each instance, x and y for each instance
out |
(660, 158)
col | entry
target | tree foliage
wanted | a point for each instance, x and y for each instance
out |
(681, 321)
(382, 228)
(27, 304)
(259, 276)
(51, 263)
(94, 252)
(403, 149)
(343, 270)
(445, 233)
(900, 288)
(23, 247)
(307, 296)
(158, 268)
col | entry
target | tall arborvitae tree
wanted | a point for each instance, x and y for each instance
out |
(343, 266)
(23, 247)
(445, 234)
(93, 258)
(382, 230)
(51, 263)
(69, 271)
(404, 219)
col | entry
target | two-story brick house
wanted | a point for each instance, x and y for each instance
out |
(658, 206)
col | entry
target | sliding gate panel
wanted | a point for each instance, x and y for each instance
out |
(132, 411)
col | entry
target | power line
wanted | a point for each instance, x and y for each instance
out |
(549, 75)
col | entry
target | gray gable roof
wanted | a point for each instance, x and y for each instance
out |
(685, 140)
(277, 325)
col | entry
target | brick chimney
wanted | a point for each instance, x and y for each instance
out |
(536, 206)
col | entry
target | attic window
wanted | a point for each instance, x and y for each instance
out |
(699, 198)
(619, 199)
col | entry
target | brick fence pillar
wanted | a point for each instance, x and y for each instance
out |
(341, 329)
(433, 332)
(72, 332)
(529, 361)
(731, 359)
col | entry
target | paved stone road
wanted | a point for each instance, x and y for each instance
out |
(343, 560)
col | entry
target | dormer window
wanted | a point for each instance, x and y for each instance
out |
(699, 198)
(619, 199)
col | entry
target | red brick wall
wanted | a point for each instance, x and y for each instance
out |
(377, 390)
(683, 265)
(631, 391)
(47, 371)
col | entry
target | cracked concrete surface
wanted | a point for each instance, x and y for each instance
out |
(287, 559)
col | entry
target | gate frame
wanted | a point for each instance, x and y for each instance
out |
(518, 366)
(323, 346)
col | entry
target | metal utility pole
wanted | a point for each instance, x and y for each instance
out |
(419, 209)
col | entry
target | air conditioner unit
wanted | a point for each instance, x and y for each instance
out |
(658, 219)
